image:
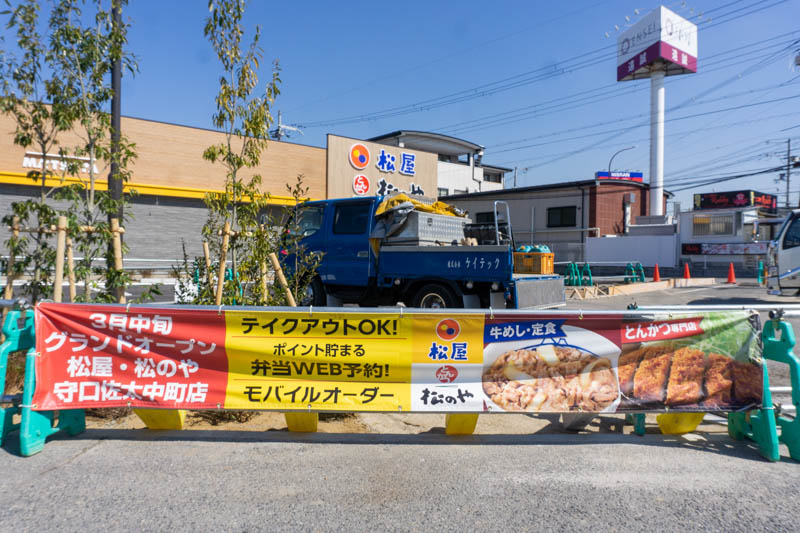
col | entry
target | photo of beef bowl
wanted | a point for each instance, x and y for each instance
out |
(552, 377)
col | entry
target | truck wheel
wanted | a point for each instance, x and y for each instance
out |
(314, 294)
(435, 296)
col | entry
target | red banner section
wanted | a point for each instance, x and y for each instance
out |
(661, 330)
(95, 356)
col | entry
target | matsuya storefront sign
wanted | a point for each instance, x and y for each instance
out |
(366, 168)
(279, 359)
(387, 161)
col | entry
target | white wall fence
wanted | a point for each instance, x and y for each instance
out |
(646, 249)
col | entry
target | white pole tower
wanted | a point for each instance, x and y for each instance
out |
(657, 99)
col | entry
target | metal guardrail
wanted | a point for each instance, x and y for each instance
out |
(18, 303)
(794, 309)
(398, 310)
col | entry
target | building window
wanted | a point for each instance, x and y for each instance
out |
(484, 218)
(493, 178)
(459, 191)
(711, 225)
(561, 217)
(443, 191)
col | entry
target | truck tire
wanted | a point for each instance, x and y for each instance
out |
(314, 294)
(435, 296)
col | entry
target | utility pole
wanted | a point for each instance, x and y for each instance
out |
(278, 133)
(114, 179)
(789, 169)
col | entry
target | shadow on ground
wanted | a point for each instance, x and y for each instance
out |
(715, 442)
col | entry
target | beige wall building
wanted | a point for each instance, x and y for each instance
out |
(170, 161)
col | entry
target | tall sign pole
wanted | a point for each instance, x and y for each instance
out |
(660, 44)
(657, 140)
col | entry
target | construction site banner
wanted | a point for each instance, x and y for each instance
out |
(468, 361)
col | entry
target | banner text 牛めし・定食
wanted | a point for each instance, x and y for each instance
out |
(179, 358)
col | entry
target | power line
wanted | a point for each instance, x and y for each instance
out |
(593, 96)
(675, 119)
(449, 56)
(511, 82)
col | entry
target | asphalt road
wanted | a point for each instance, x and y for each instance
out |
(137, 480)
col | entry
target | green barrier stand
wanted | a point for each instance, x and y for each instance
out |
(634, 273)
(18, 330)
(638, 421)
(758, 426)
(569, 275)
(782, 352)
(760, 272)
(36, 426)
(586, 276)
(629, 273)
(640, 273)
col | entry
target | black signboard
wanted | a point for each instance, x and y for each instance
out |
(731, 199)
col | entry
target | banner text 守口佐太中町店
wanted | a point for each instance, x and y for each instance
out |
(105, 356)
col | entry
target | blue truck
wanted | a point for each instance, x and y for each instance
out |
(362, 264)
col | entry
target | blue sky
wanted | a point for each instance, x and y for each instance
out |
(560, 115)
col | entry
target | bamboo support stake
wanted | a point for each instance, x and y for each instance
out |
(281, 279)
(8, 291)
(207, 255)
(117, 242)
(71, 271)
(264, 283)
(223, 256)
(58, 284)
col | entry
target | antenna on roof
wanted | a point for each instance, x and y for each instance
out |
(281, 131)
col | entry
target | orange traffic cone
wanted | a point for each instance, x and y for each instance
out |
(656, 274)
(731, 274)
(686, 274)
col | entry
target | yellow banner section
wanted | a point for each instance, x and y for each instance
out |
(245, 393)
(339, 361)
(447, 338)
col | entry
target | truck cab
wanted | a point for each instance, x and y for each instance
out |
(339, 230)
(783, 256)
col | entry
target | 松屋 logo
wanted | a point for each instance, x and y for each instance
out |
(359, 156)
(448, 329)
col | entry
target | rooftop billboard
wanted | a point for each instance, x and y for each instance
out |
(661, 35)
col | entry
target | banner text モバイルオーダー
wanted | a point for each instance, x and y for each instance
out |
(201, 358)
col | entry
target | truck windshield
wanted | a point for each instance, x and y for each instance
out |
(307, 221)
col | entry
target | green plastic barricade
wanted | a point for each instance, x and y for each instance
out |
(761, 425)
(18, 331)
(634, 273)
(35, 426)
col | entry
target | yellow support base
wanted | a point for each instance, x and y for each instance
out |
(460, 424)
(679, 423)
(302, 422)
(162, 418)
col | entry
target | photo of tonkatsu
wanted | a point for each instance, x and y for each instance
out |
(685, 377)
